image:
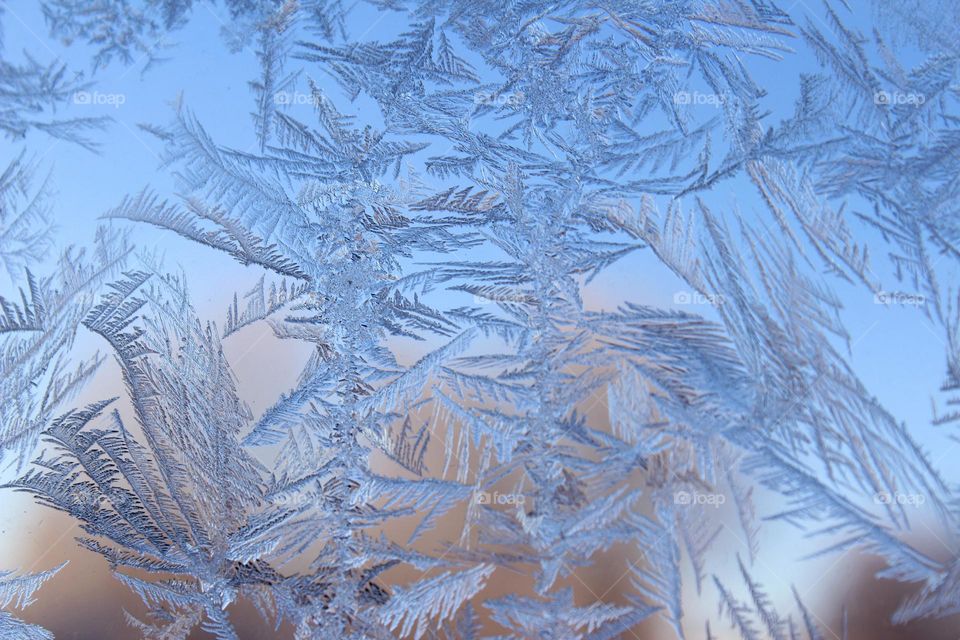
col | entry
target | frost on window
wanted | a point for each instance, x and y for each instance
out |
(480, 319)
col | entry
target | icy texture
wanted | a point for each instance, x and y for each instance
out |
(516, 150)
